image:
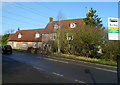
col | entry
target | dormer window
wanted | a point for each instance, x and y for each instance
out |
(19, 35)
(56, 26)
(72, 25)
(37, 35)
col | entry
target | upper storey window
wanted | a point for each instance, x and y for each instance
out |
(19, 35)
(69, 36)
(56, 26)
(37, 35)
(72, 25)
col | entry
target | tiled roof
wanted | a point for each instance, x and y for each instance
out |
(27, 35)
(64, 24)
(10, 36)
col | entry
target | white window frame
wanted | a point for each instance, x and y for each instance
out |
(37, 35)
(24, 44)
(53, 36)
(73, 25)
(56, 26)
(35, 45)
(69, 37)
(19, 35)
(15, 44)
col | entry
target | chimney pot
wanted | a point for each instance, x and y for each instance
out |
(18, 28)
(50, 19)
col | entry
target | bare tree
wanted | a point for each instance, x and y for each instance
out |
(9, 31)
(59, 18)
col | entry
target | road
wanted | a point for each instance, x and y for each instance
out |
(49, 69)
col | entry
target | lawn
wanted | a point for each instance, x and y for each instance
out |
(22, 50)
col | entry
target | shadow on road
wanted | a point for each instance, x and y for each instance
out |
(17, 72)
(8, 64)
(87, 71)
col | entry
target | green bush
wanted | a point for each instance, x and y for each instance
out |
(39, 51)
(29, 49)
(5, 38)
(85, 41)
(53, 46)
(32, 50)
(110, 50)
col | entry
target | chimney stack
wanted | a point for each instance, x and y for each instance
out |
(18, 28)
(50, 19)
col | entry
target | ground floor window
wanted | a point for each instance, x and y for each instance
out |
(35, 45)
(15, 44)
(24, 44)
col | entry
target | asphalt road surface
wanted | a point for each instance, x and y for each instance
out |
(22, 67)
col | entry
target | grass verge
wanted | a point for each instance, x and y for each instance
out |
(93, 60)
(22, 50)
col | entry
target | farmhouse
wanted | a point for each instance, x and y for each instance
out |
(36, 38)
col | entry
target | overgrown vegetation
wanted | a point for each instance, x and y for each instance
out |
(0, 40)
(5, 38)
(110, 49)
(82, 58)
(89, 40)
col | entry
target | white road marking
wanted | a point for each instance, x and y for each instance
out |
(84, 65)
(57, 74)
(86, 62)
(79, 81)
(106, 70)
(38, 68)
(63, 75)
(56, 60)
(99, 64)
(92, 63)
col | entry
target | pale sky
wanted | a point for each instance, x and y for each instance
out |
(33, 15)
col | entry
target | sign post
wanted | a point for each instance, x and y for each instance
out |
(118, 68)
(113, 29)
(114, 34)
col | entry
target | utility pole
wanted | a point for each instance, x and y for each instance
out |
(118, 68)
